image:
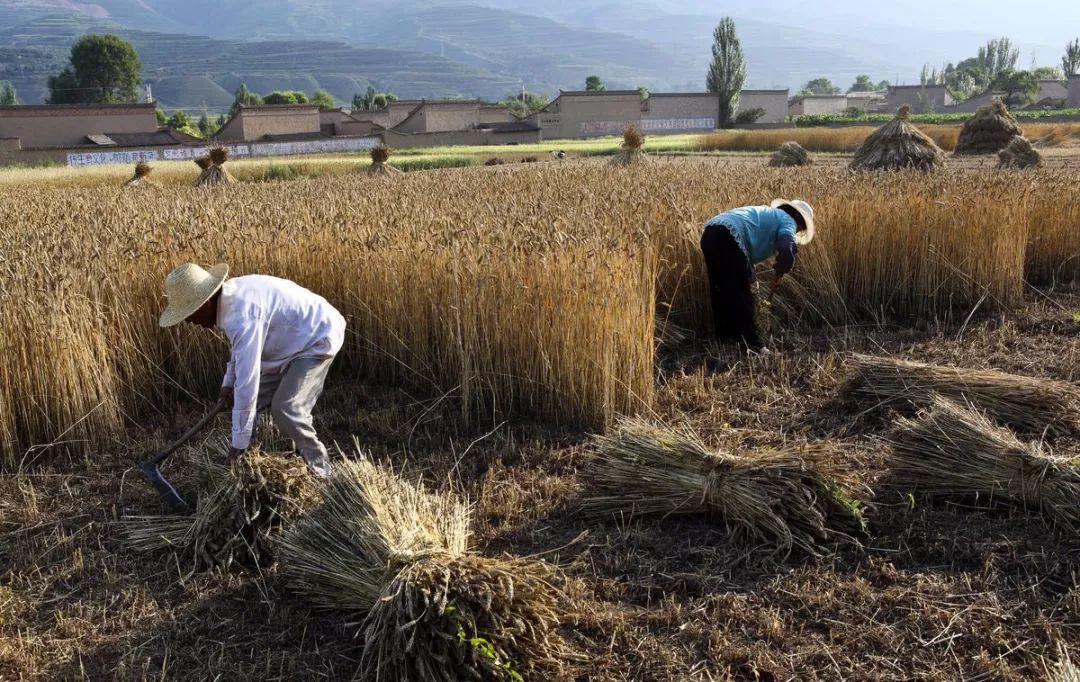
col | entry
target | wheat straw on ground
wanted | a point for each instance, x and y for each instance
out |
(951, 449)
(387, 551)
(776, 496)
(1032, 404)
(790, 154)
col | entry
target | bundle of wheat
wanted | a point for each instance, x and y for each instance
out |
(631, 152)
(388, 551)
(897, 145)
(777, 496)
(790, 154)
(380, 154)
(989, 130)
(1019, 154)
(141, 177)
(238, 513)
(954, 450)
(1027, 403)
(215, 174)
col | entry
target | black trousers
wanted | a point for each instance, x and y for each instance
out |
(729, 285)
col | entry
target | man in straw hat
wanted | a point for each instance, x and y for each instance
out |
(283, 340)
(733, 242)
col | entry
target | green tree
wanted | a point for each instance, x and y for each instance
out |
(244, 97)
(883, 85)
(594, 84)
(7, 95)
(1020, 87)
(104, 69)
(998, 56)
(643, 93)
(285, 97)
(1070, 62)
(727, 71)
(162, 119)
(1048, 73)
(523, 106)
(864, 84)
(324, 99)
(820, 86)
(372, 100)
(179, 120)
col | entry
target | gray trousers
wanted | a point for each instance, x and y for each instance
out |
(291, 395)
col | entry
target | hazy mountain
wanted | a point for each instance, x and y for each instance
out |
(663, 44)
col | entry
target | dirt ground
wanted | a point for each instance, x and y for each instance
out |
(942, 590)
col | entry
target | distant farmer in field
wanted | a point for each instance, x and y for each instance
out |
(733, 242)
(283, 340)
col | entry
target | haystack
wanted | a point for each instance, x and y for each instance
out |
(397, 556)
(897, 145)
(632, 152)
(238, 510)
(954, 450)
(779, 497)
(988, 131)
(790, 154)
(214, 173)
(142, 176)
(1031, 404)
(1019, 154)
(380, 154)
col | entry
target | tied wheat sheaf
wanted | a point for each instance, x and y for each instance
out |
(214, 173)
(953, 450)
(776, 496)
(239, 510)
(142, 176)
(1031, 404)
(1019, 153)
(386, 550)
(380, 154)
(532, 291)
(631, 153)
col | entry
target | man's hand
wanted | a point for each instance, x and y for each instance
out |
(226, 395)
(234, 455)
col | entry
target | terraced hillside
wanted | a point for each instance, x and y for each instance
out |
(187, 71)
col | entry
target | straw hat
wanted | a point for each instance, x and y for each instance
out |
(188, 287)
(807, 212)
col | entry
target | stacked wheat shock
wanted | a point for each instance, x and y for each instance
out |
(790, 154)
(238, 513)
(398, 557)
(380, 154)
(898, 145)
(213, 168)
(142, 176)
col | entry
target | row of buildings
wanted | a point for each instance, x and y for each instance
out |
(1052, 94)
(95, 134)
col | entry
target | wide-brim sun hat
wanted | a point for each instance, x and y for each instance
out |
(188, 287)
(806, 211)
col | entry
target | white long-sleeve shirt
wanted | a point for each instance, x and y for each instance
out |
(269, 322)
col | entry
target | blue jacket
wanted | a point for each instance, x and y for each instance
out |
(761, 232)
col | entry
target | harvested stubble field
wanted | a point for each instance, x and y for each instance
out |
(493, 330)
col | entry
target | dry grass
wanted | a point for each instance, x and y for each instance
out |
(1036, 405)
(954, 450)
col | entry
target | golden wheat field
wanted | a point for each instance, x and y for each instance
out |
(499, 319)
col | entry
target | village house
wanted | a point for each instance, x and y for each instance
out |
(924, 99)
(272, 121)
(340, 122)
(79, 134)
(869, 102)
(576, 113)
(74, 125)
(815, 105)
